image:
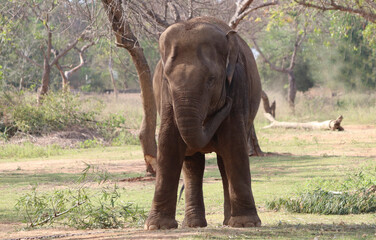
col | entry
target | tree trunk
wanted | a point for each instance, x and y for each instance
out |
(126, 39)
(64, 77)
(65, 82)
(267, 107)
(21, 84)
(254, 147)
(292, 89)
(46, 68)
(45, 80)
(149, 121)
(110, 69)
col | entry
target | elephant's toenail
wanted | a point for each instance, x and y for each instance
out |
(153, 227)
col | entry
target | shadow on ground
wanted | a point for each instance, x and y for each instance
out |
(282, 231)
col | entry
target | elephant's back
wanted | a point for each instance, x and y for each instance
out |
(211, 20)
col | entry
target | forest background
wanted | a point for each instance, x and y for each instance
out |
(336, 49)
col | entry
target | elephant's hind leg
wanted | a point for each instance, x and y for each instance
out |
(193, 170)
(227, 206)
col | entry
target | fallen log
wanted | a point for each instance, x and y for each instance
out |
(326, 125)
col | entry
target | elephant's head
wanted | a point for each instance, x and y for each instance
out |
(198, 65)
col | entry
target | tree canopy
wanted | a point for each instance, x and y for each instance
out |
(337, 47)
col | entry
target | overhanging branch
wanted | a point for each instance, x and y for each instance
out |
(369, 15)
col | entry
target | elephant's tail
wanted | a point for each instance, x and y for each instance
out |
(181, 192)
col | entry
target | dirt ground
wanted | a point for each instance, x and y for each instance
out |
(361, 134)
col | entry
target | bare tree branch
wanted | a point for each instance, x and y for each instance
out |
(298, 42)
(155, 16)
(190, 10)
(28, 59)
(65, 75)
(174, 11)
(243, 11)
(266, 59)
(368, 13)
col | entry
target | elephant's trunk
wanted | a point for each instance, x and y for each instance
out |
(196, 131)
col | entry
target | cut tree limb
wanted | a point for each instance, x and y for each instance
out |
(326, 125)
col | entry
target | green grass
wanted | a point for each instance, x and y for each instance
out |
(272, 176)
(28, 150)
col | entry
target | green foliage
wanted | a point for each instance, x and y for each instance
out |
(356, 195)
(114, 128)
(80, 207)
(62, 111)
(125, 137)
(369, 34)
(304, 75)
(90, 143)
(356, 57)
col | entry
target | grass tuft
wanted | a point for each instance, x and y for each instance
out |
(327, 202)
(355, 195)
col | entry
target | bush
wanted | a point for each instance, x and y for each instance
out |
(356, 195)
(90, 143)
(59, 110)
(113, 128)
(328, 202)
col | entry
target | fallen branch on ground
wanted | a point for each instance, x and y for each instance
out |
(326, 125)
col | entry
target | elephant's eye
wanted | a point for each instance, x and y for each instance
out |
(211, 81)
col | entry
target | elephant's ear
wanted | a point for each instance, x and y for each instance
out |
(233, 53)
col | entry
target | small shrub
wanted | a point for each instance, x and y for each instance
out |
(90, 143)
(355, 195)
(114, 129)
(125, 137)
(327, 202)
(81, 207)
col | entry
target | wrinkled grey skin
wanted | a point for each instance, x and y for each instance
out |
(208, 91)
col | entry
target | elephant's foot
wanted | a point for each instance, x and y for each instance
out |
(244, 221)
(155, 221)
(194, 222)
(225, 222)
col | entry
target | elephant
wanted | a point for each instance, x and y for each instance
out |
(207, 91)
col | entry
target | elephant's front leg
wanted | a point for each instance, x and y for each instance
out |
(234, 152)
(193, 170)
(171, 150)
